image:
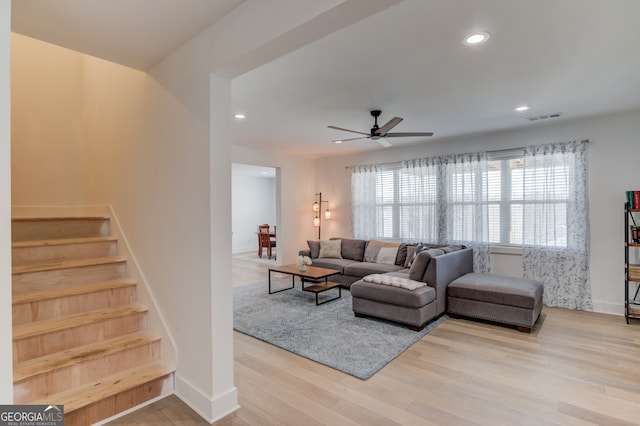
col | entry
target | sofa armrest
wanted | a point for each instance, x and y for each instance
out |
(445, 268)
(305, 253)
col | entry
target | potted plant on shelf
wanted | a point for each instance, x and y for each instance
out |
(302, 262)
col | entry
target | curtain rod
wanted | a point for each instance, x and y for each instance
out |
(496, 151)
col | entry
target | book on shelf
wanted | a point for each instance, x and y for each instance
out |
(633, 198)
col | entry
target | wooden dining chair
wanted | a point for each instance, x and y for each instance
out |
(266, 240)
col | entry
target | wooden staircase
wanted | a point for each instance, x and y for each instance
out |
(79, 337)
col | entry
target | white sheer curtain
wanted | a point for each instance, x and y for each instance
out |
(421, 200)
(363, 201)
(465, 217)
(556, 223)
(445, 201)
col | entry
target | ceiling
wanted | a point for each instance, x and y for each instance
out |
(574, 57)
(135, 33)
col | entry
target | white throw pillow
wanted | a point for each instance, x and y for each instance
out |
(387, 255)
(330, 249)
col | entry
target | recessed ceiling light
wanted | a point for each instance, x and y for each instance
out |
(475, 38)
(239, 116)
(337, 141)
(521, 108)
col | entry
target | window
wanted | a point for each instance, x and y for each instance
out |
(505, 200)
(441, 201)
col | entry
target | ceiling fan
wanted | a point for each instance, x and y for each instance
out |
(380, 133)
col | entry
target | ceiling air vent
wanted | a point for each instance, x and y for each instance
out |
(544, 116)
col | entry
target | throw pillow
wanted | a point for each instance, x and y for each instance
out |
(330, 249)
(410, 252)
(373, 252)
(401, 258)
(314, 248)
(420, 247)
(387, 255)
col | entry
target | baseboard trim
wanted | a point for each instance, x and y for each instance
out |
(608, 308)
(210, 409)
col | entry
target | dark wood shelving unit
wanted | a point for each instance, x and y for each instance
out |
(631, 270)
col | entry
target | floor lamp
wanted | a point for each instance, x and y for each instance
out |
(317, 206)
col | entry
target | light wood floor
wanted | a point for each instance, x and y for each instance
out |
(576, 368)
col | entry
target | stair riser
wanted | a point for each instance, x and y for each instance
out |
(81, 275)
(53, 229)
(44, 344)
(27, 255)
(120, 402)
(68, 305)
(85, 371)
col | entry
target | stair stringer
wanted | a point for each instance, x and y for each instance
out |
(156, 321)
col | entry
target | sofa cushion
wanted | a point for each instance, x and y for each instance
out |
(330, 249)
(360, 269)
(393, 295)
(314, 248)
(381, 252)
(331, 263)
(352, 249)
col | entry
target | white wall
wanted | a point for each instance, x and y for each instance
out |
(6, 331)
(253, 203)
(613, 156)
(47, 133)
(297, 189)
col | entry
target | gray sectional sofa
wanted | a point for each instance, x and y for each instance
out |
(436, 266)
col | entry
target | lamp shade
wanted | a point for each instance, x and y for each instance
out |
(316, 221)
(327, 214)
(316, 207)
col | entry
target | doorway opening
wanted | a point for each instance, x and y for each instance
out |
(254, 201)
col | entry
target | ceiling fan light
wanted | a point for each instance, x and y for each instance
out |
(474, 39)
(521, 108)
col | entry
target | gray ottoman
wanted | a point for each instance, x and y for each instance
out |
(506, 300)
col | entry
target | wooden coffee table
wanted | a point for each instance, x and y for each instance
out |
(312, 273)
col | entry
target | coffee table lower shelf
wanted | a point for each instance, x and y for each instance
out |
(322, 287)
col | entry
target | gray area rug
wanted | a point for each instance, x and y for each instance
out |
(329, 334)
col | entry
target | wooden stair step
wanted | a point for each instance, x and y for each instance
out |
(59, 273)
(45, 228)
(42, 327)
(39, 251)
(50, 302)
(35, 339)
(53, 373)
(26, 369)
(65, 264)
(113, 394)
(46, 293)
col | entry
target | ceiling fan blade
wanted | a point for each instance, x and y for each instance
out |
(347, 130)
(390, 125)
(350, 139)
(385, 143)
(395, 135)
